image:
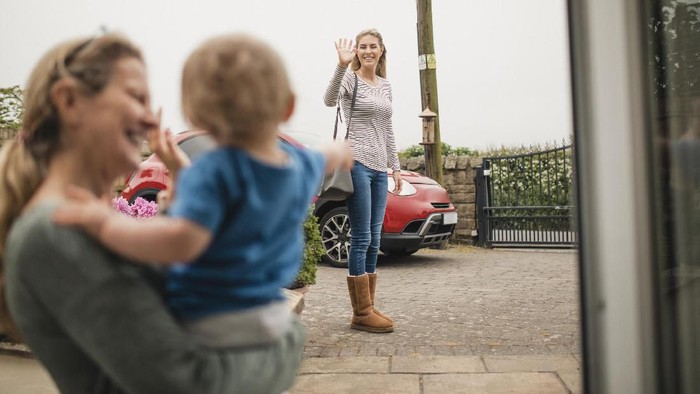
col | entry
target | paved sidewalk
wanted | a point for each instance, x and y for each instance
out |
(467, 320)
(22, 375)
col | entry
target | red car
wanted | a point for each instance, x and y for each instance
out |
(421, 216)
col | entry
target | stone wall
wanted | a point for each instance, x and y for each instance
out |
(458, 175)
(6, 135)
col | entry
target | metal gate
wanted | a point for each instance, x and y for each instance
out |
(526, 200)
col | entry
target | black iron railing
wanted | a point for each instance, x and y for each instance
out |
(526, 200)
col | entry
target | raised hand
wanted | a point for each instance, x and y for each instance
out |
(163, 145)
(346, 51)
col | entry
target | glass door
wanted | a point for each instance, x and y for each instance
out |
(636, 78)
(672, 56)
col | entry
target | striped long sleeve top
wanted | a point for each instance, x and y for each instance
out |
(371, 134)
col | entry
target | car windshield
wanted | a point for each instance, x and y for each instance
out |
(308, 139)
(196, 145)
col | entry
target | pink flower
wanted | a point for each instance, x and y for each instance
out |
(121, 205)
(140, 209)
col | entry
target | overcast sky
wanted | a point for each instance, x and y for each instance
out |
(502, 65)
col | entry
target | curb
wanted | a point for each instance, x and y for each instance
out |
(295, 300)
(15, 349)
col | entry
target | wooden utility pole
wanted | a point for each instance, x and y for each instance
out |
(428, 86)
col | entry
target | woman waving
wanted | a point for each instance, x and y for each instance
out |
(371, 137)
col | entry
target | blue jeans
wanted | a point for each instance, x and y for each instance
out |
(366, 207)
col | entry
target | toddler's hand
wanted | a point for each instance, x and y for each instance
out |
(163, 199)
(347, 158)
(163, 145)
(338, 155)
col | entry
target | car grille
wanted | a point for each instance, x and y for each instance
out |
(435, 240)
(440, 205)
(440, 228)
(413, 227)
(438, 234)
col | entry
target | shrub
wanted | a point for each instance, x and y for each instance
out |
(412, 151)
(447, 149)
(313, 250)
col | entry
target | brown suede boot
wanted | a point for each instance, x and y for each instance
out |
(372, 288)
(363, 318)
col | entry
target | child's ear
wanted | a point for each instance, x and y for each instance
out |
(289, 111)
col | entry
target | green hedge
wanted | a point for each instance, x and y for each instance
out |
(542, 179)
(313, 250)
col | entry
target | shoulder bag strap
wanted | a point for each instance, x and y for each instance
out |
(352, 107)
(338, 114)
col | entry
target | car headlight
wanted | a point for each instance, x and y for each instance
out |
(406, 188)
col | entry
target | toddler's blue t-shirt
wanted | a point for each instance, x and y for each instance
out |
(255, 212)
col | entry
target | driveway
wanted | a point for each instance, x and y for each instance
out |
(462, 301)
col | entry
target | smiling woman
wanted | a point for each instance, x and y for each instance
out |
(366, 97)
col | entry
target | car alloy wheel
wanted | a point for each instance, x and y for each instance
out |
(335, 236)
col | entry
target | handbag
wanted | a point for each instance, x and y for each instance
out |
(337, 186)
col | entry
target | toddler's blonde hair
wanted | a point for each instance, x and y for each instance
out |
(235, 87)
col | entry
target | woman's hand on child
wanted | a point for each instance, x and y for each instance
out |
(85, 210)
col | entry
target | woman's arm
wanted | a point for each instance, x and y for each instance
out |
(393, 160)
(392, 153)
(331, 96)
(346, 52)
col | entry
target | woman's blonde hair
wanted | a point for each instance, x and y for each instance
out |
(235, 86)
(23, 161)
(381, 63)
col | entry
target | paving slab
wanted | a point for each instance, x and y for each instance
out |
(572, 380)
(357, 383)
(14, 349)
(493, 383)
(437, 364)
(533, 363)
(19, 375)
(295, 300)
(330, 365)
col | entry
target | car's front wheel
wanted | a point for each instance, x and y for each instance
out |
(147, 194)
(335, 235)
